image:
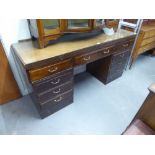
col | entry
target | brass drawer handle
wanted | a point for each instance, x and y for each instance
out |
(86, 58)
(52, 70)
(106, 52)
(55, 82)
(125, 45)
(58, 100)
(56, 91)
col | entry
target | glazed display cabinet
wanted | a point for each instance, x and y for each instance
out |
(46, 30)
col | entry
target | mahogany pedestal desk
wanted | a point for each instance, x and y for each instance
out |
(50, 70)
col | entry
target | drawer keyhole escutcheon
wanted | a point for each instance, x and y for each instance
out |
(58, 100)
(53, 70)
(55, 82)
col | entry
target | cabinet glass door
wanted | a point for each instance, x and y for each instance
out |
(51, 26)
(78, 23)
(99, 22)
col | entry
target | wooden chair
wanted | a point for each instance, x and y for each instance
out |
(144, 121)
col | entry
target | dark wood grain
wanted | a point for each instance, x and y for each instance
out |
(53, 81)
(56, 104)
(91, 57)
(109, 68)
(52, 93)
(100, 68)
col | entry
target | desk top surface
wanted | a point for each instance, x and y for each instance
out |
(28, 53)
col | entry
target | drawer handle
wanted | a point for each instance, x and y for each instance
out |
(125, 45)
(56, 91)
(106, 52)
(58, 100)
(55, 82)
(52, 70)
(86, 58)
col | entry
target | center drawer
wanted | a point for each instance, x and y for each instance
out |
(93, 56)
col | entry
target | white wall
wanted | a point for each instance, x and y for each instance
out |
(11, 31)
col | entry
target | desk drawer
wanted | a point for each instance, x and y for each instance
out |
(61, 78)
(58, 102)
(125, 46)
(90, 57)
(42, 72)
(51, 93)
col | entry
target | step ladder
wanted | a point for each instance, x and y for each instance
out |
(135, 26)
(136, 29)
